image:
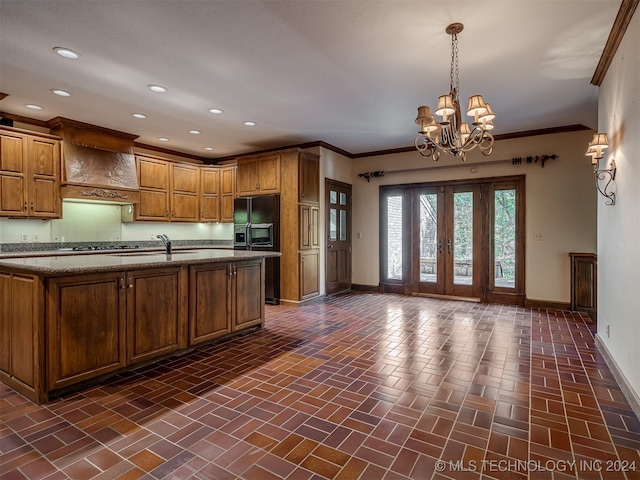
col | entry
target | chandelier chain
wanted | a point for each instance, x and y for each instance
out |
(455, 72)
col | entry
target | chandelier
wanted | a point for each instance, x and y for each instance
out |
(451, 135)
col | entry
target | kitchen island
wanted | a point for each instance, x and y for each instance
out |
(69, 320)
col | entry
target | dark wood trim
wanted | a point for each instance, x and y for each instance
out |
(61, 123)
(365, 288)
(26, 120)
(166, 151)
(3, 95)
(533, 303)
(30, 132)
(620, 24)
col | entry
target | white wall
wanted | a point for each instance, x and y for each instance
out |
(560, 204)
(619, 225)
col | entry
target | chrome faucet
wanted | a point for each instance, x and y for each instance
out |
(166, 241)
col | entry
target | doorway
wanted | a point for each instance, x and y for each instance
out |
(338, 228)
(456, 239)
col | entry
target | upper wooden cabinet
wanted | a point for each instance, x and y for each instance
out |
(168, 191)
(29, 175)
(259, 175)
(309, 178)
(217, 191)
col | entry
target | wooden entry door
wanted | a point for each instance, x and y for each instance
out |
(338, 228)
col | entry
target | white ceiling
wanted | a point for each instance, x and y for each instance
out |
(347, 72)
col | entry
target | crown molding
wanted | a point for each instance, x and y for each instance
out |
(625, 13)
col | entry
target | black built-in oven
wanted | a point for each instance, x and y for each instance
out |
(261, 234)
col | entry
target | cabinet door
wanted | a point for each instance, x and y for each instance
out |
(185, 185)
(210, 194)
(309, 274)
(209, 302)
(247, 176)
(269, 174)
(44, 174)
(154, 313)
(85, 328)
(228, 193)
(153, 178)
(309, 178)
(13, 175)
(314, 219)
(305, 227)
(248, 292)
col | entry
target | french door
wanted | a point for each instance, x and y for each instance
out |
(445, 242)
(456, 239)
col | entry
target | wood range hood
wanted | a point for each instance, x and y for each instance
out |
(98, 164)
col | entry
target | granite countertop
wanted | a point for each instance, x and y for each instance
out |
(74, 263)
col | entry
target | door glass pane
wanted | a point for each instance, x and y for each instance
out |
(333, 197)
(463, 238)
(394, 237)
(333, 224)
(343, 225)
(343, 198)
(504, 238)
(428, 237)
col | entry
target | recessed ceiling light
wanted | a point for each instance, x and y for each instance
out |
(249, 124)
(66, 53)
(157, 88)
(194, 132)
(163, 139)
(32, 106)
(208, 148)
(215, 111)
(138, 115)
(61, 93)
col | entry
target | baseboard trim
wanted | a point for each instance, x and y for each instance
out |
(533, 303)
(299, 303)
(365, 288)
(628, 392)
(446, 297)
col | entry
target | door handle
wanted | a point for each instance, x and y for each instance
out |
(440, 246)
(449, 246)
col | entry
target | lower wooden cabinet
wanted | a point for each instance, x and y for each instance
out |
(60, 331)
(22, 334)
(85, 328)
(209, 302)
(155, 324)
(247, 294)
(309, 274)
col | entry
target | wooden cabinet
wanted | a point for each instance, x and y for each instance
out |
(247, 294)
(227, 193)
(210, 191)
(259, 175)
(309, 178)
(309, 274)
(155, 324)
(168, 191)
(217, 190)
(22, 334)
(209, 302)
(29, 175)
(85, 328)
(309, 226)
(584, 281)
(300, 212)
(184, 185)
(153, 179)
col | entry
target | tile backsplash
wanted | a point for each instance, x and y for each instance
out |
(93, 222)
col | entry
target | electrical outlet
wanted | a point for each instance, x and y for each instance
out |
(537, 237)
(608, 330)
(152, 236)
(35, 237)
(24, 237)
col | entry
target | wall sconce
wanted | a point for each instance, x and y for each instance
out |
(596, 151)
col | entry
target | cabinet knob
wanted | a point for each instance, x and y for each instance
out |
(131, 285)
(32, 207)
